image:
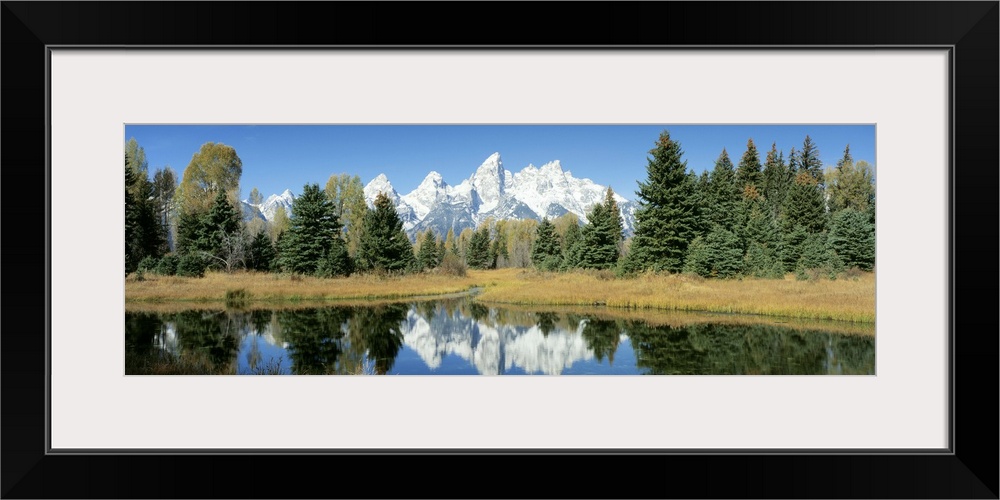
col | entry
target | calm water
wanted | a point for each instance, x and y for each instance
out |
(460, 337)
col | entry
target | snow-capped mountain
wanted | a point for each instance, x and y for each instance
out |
(491, 191)
(251, 212)
(274, 201)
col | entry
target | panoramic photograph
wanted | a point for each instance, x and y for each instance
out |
(499, 249)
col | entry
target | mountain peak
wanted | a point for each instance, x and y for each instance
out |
(433, 178)
(552, 166)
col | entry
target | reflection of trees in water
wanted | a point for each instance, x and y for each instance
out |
(602, 338)
(206, 342)
(315, 338)
(378, 331)
(212, 334)
(707, 349)
(546, 322)
(141, 330)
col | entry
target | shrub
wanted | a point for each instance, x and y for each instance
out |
(147, 264)
(191, 265)
(167, 265)
(452, 265)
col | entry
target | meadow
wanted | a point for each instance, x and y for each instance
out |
(848, 298)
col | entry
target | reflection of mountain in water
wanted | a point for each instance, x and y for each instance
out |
(493, 348)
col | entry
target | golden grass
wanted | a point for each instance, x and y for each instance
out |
(279, 288)
(844, 299)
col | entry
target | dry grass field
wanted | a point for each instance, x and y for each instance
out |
(848, 299)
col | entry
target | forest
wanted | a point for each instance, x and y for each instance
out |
(785, 215)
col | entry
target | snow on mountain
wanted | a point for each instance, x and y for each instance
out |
(428, 194)
(274, 201)
(494, 348)
(251, 212)
(491, 191)
(381, 184)
(488, 183)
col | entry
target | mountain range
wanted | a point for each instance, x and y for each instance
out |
(491, 191)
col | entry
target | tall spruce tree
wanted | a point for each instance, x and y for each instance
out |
(546, 251)
(810, 162)
(427, 255)
(852, 238)
(313, 231)
(722, 195)
(777, 180)
(384, 245)
(478, 253)
(601, 236)
(748, 171)
(668, 217)
(133, 246)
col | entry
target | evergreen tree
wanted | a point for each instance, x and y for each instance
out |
(384, 245)
(546, 251)
(261, 255)
(810, 162)
(427, 255)
(716, 254)
(806, 206)
(222, 220)
(602, 236)
(852, 238)
(722, 195)
(748, 172)
(478, 252)
(314, 229)
(572, 246)
(133, 246)
(760, 239)
(777, 181)
(147, 236)
(668, 217)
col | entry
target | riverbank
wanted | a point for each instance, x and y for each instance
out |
(851, 299)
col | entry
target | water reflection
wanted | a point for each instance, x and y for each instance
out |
(459, 336)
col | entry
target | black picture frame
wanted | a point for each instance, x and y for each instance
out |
(970, 470)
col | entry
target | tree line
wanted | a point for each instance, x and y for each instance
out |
(753, 219)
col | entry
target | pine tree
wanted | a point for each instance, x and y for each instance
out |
(777, 180)
(810, 162)
(384, 245)
(602, 236)
(427, 255)
(261, 255)
(805, 206)
(313, 232)
(572, 246)
(760, 239)
(721, 197)
(668, 217)
(222, 222)
(478, 252)
(546, 251)
(748, 171)
(133, 247)
(852, 238)
(716, 254)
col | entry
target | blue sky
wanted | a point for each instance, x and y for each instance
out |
(276, 157)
